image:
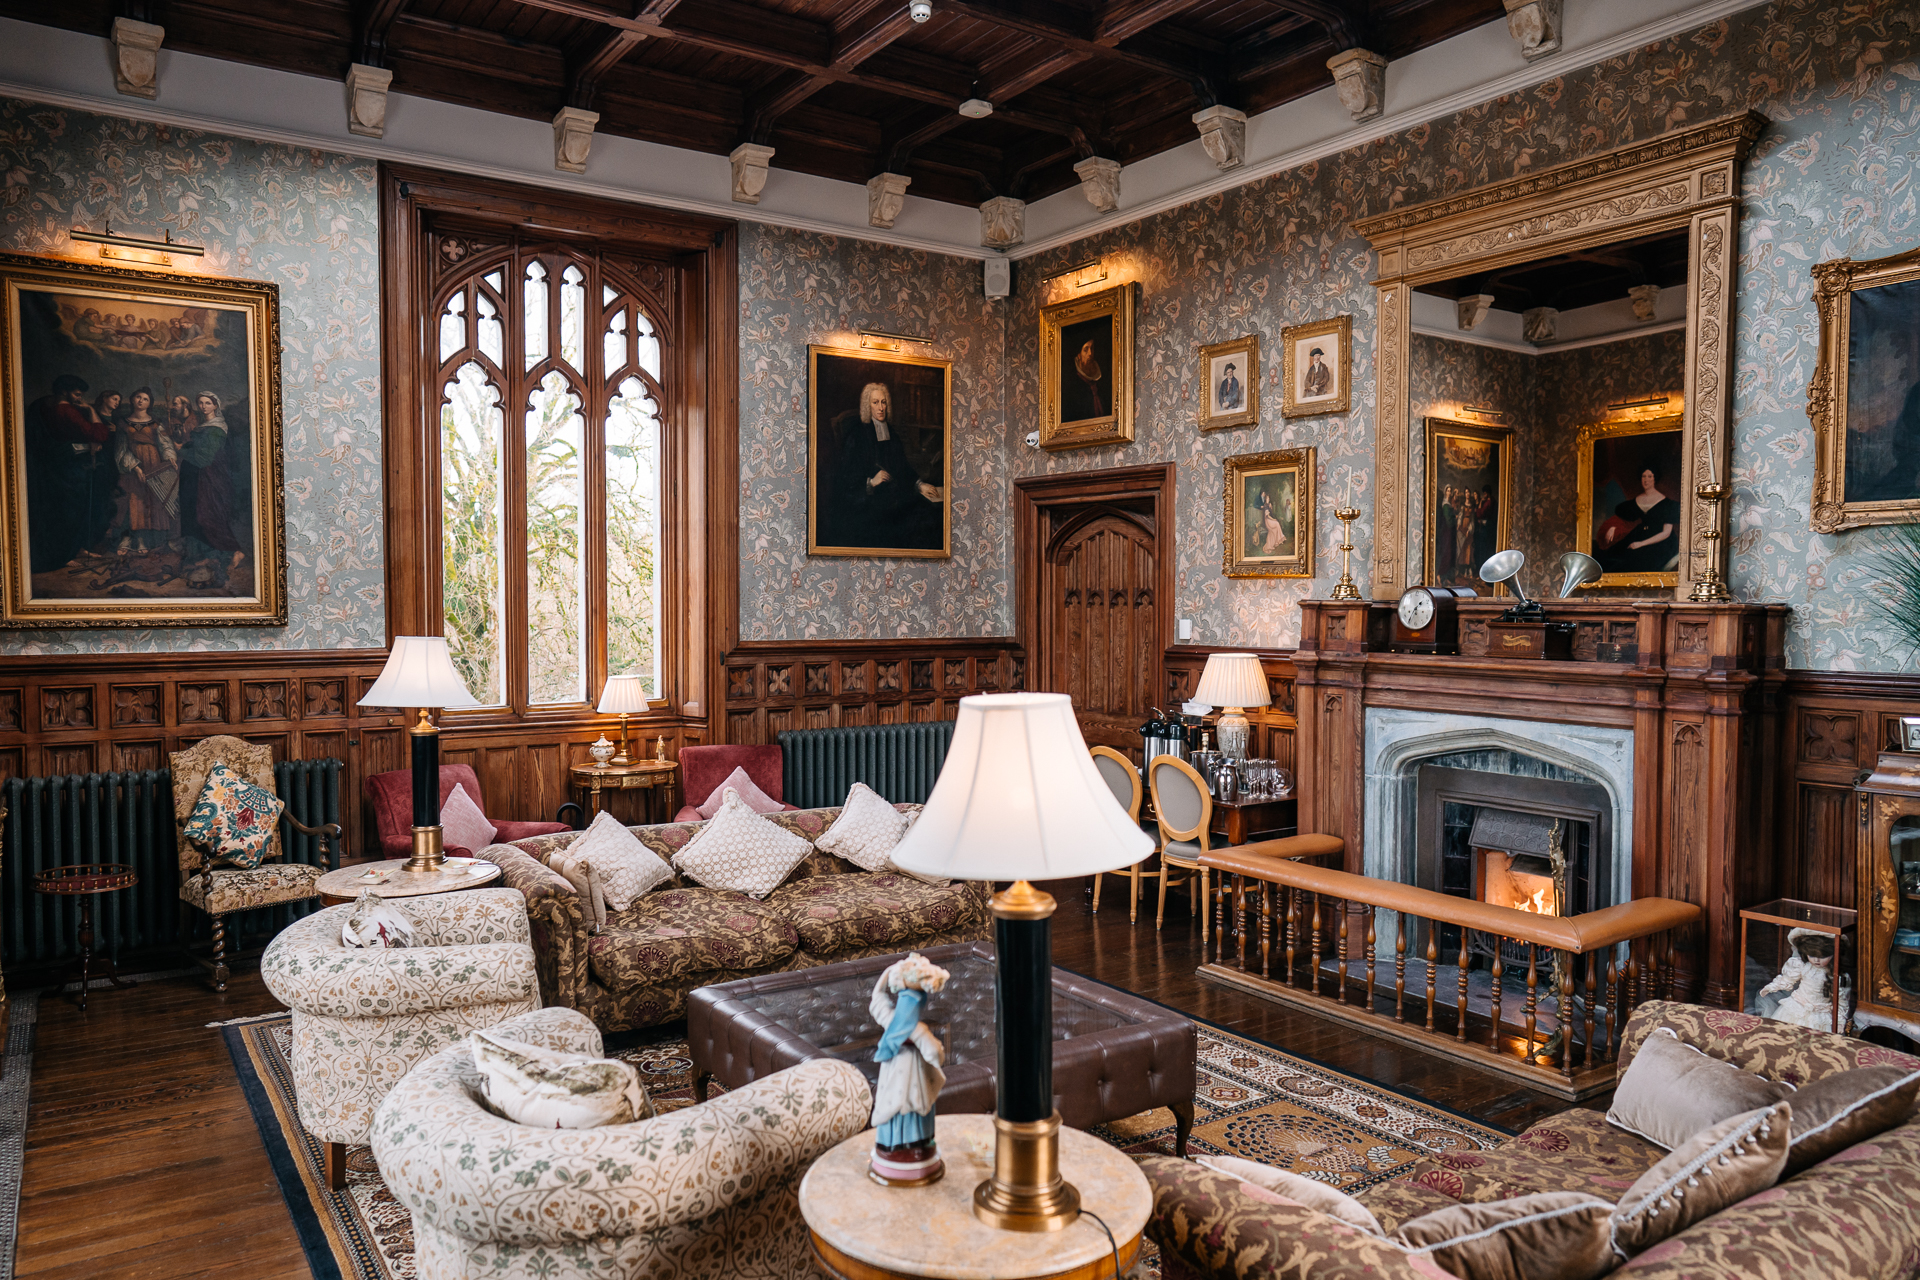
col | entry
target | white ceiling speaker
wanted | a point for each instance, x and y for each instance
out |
(919, 10)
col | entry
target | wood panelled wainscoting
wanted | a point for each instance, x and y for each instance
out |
(1272, 726)
(774, 685)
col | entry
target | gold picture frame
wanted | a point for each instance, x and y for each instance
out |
(848, 514)
(1311, 388)
(1230, 383)
(1866, 468)
(1464, 502)
(1610, 456)
(1086, 370)
(1269, 514)
(142, 448)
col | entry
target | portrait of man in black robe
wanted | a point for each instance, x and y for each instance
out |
(879, 468)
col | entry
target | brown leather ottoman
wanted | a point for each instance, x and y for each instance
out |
(1113, 1055)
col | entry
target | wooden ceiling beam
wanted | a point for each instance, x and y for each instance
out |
(865, 36)
(1056, 24)
(1344, 22)
(372, 20)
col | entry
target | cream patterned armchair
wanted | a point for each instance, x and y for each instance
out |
(707, 1191)
(364, 1017)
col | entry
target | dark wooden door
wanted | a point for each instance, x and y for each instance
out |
(1100, 626)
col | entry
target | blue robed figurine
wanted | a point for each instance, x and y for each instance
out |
(909, 1054)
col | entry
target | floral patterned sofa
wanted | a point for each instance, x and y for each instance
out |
(638, 970)
(1857, 1214)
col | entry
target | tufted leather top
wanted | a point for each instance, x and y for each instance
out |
(1114, 1055)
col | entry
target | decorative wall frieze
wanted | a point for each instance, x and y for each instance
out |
(1100, 182)
(136, 51)
(367, 99)
(1223, 132)
(1360, 78)
(573, 138)
(886, 196)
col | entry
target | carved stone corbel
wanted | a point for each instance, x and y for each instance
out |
(886, 196)
(573, 138)
(1646, 301)
(1473, 309)
(136, 49)
(1535, 25)
(1360, 78)
(1003, 222)
(1223, 132)
(1540, 325)
(1100, 181)
(367, 99)
(749, 171)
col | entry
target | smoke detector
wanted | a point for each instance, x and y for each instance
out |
(976, 108)
(919, 10)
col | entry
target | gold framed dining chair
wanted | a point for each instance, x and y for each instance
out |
(1119, 774)
(1184, 809)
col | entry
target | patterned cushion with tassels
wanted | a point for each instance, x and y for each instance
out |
(233, 820)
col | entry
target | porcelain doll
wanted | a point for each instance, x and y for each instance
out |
(910, 1056)
(1806, 1001)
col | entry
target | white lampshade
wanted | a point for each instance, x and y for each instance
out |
(1019, 798)
(1233, 680)
(623, 693)
(419, 673)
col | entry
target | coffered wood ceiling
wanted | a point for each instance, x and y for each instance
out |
(841, 88)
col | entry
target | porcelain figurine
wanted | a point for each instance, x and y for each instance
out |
(1801, 990)
(910, 1057)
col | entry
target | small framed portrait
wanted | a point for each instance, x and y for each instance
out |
(1086, 370)
(1864, 396)
(879, 454)
(1230, 383)
(1629, 500)
(1469, 494)
(142, 476)
(1318, 367)
(1269, 514)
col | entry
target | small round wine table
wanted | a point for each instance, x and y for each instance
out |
(391, 879)
(864, 1231)
(83, 882)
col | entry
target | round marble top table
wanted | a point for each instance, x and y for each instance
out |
(862, 1230)
(348, 883)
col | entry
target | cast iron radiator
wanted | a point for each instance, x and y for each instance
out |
(128, 817)
(900, 761)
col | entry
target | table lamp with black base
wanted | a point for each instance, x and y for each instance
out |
(1019, 799)
(420, 673)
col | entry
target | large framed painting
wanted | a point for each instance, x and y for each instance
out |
(1864, 396)
(1317, 362)
(879, 454)
(1629, 499)
(1086, 370)
(142, 484)
(1269, 514)
(1469, 498)
(1230, 383)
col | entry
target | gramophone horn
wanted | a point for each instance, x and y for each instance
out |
(1504, 566)
(1577, 569)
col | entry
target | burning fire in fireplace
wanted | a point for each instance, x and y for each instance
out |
(1506, 882)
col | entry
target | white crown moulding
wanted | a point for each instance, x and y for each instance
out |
(367, 99)
(136, 52)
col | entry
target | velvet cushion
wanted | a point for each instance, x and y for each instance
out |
(1555, 1235)
(463, 823)
(1736, 1158)
(390, 796)
(738, 783)
(1835, 1112)
(1672, 1091)
(704, 768)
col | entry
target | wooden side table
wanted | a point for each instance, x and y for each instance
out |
(348, 883)
(654, 777)
(84, 882)
(1239, 820)
(864, 1231)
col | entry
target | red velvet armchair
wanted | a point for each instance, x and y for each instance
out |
(704, 768)
(390, 795)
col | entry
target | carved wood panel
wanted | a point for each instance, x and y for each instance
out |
(1102, 622)
(858, 682)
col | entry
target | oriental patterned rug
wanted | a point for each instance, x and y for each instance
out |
(1250, 1100)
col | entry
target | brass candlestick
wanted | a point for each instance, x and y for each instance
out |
(1346, 590)
(1710, 587)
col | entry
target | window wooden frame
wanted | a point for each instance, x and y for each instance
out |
(692, 269)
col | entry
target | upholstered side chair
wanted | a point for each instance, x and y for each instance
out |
(390, 796)
(221, 891)
(707, 1191)
(364, 1016)
(1124, 781)
(1185, 811)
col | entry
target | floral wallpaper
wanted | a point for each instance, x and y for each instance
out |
(1834, 175)
(307, 220)
(801, 288)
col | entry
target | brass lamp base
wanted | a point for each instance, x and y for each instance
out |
(1026, 1192)
(622, 758)
(429, 855)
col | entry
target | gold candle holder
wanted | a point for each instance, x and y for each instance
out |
(1710, 587)
(1346, 590)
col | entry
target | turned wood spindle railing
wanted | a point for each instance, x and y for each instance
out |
(1613, 959)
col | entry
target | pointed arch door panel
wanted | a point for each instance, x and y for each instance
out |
(1099, 597)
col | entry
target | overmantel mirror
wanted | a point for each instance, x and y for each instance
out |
(1554, 369)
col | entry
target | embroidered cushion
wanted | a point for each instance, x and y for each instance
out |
(619, 867)
(1835, 1112)
(756, 799)
(462, 825)
(533, 1085)
(1736, 1158)
(866, 831)
(1555, 1235)
(233, 820)
(742, 851)
(375, 922)
(1672, 1091)
(1304, 1192)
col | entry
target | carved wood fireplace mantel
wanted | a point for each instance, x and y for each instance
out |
(1698, 686)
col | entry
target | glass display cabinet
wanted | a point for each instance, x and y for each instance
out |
(1791, 952)
(1887, 887)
